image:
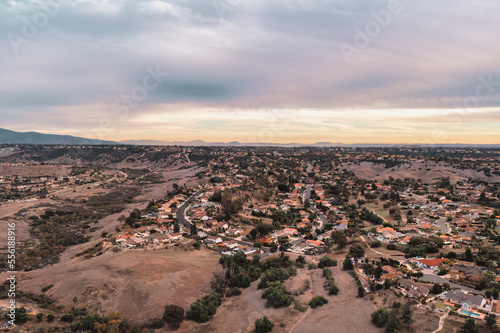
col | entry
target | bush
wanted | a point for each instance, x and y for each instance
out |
(234, 292)
(376, 243)
(50, 317)
(332, 288)
(39, 316)
(361, 292)
(300, 261)
(271, 275)
(20, 316)
(312, 266)
(47, 287)
(327, 262)
(67, 318)
(203, 310)
(263, 325)
(173, 315)
(317, 301)
(277, 295)
(76, 326)
(348, 264)
(379, 317)
(391, 247)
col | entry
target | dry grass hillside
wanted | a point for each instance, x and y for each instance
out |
(427, 172)
(137, 283)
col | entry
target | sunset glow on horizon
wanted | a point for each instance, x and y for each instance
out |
(257, 71)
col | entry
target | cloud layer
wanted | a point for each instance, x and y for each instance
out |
(410, 67)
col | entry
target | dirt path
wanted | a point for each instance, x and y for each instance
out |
(385, 255)
(441, 322)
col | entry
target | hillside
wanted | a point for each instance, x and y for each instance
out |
(11, 137)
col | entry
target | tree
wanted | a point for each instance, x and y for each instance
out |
(491, 322)
(50, 317)
(340, 239)
(39, 316)
(468, 255)
(407, 315)
(284, 243)
(256, 258)
(469, 326)
(273, 247)
(277, 295)
(176, 227)
(380, 316)
(173, 315)
(393, 324)
(347, 265)
(356, 251)
(361, 292)
(263, 325)
(327, 262)
(20, 316)
(437, 289)
(300, 261)
(75, 299)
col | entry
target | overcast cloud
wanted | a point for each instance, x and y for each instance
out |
(258, 56)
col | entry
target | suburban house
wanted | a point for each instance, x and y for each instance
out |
(429, 263)
(413, 289)
(390, 273)
(464, 300)
(459, 272)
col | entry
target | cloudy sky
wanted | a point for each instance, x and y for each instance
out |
(253, 70)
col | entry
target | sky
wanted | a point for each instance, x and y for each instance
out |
(305, 71)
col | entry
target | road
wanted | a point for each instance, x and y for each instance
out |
(437, 279)
(323, 219)
(181, 216)
(180, 213)
(443, 227)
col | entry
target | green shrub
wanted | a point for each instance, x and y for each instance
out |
(67, 318)
(317, 301)
(327, 262)
(263, 325)
(380, 316)
(277, 295)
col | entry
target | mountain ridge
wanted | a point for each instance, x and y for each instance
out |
(12, 137)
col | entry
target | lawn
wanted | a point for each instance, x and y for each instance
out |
(440, 305)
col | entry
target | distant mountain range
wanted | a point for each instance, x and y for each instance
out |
(317, 144)
(11, 137)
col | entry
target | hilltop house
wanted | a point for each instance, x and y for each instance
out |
(464, 300)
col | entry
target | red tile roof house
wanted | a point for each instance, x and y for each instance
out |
(429, 263)
(314, 243)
